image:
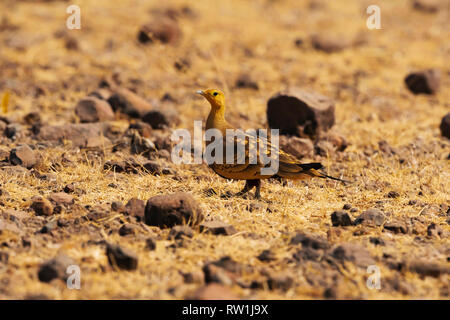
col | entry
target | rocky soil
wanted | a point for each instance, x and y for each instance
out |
(86, 177)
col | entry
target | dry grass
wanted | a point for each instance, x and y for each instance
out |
(372, 108)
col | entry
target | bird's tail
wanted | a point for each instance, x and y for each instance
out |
(313, 170)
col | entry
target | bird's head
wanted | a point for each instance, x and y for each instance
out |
(215, 97)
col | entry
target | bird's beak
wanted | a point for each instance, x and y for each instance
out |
(200, 92)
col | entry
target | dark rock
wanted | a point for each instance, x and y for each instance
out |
(155, 168)
(393, 194)
(299, 112)
(58, 209)
(298, 147)
(23, 156)
(27, 242)
(162, 141)
(91, 109)
(244, 81)
(150, 244)
(127, 229)
(329, 43)
(80, 134)
(136, 165)
(426, 268)
(308, 254)
(427, 81)
(308, 241)
(324, 148)
(62, 222)
(354, 253)
(118, 206)
(61, 198)
(164, 154)
(266, 255)
(181, 65)
(129, 103)
(213, 273)
(335, 140)
(32, 118)
(119, 167)
(42, 206)
(141, 145)
(161, 118)
(403, 287)
(144, 129)
(69, 188)
(396, 227)
(136, 208)
(13, 130)
(445, 127)
(180, 232)
(298, 42)
(4, 257)
(55, 268)
(227, 263)
(121, 257)
(330, 293)
(428, 6)
(371, 217)
(97, 213)
(101, 93)
(217, 228)
(193, 277)
(174, 209)
(434, 230)
(341, 218)
(417, 227)
(377, 241)
(71, 43)
(384, 147)
(280, 282)
(163, 29)
(347, 206)
(49, 226)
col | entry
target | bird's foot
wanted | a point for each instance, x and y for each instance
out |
(227, 195)
(243, 194)
(258, 191)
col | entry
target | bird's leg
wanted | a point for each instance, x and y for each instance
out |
(248, 186)
(258, 189)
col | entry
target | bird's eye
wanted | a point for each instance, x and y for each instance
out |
(215, 93)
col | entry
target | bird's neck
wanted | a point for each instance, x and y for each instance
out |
(216, 119)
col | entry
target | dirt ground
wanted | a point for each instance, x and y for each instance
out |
(285, 245)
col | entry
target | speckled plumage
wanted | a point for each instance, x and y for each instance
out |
(289, 167)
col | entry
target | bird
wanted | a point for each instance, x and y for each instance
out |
(289, 167)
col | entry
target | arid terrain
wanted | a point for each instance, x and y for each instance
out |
(87, 115)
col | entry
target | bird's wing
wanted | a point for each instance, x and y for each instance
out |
(249, 153)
